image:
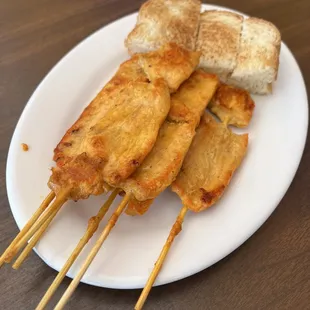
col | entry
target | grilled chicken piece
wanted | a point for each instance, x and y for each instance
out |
(136, 207)
(114, 133)
(213, 157)
(111, 144)
(163, 163)
(232, 105)
(171, 62)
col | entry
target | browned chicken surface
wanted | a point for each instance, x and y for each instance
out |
(136, 207)
(171, 62)
(232, 105)
(115, 132)
(163, 163)
(213, 157)
(192, 98)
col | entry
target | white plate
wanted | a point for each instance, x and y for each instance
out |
(277, 138)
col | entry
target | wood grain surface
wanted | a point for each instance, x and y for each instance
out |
(270, 271)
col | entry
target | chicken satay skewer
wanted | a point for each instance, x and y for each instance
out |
(180, 63)
(46, 202)
(187, 106)
(71, 162)
(93, 225)
(232, 106)
(199, 190)
(180, 219)
(101, 150)
(75, 282)
(163, 163)
(201, 83)
(200, 88)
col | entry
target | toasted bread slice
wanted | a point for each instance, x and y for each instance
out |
(258, 58)
(163, 21)
(232, 105)
(218, 40)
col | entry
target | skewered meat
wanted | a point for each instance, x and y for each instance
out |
(171, 62)
(232, 105)
(213, 157)
(136, 207)
(119, 127)
(163, 163)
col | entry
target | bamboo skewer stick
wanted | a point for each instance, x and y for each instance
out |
(34, 240)
(175, 230)
(75, 282)
(56, 205)
(29, 224)
(93, 224)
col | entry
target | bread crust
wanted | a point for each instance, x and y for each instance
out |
(163, 21)
(258, 58)
(243, 52)
(218, 41)
(258, 22)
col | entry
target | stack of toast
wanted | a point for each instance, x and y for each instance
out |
(243, 52)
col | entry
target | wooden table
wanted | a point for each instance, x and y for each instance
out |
(270, 271)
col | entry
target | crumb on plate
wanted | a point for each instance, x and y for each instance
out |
(25, 147)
